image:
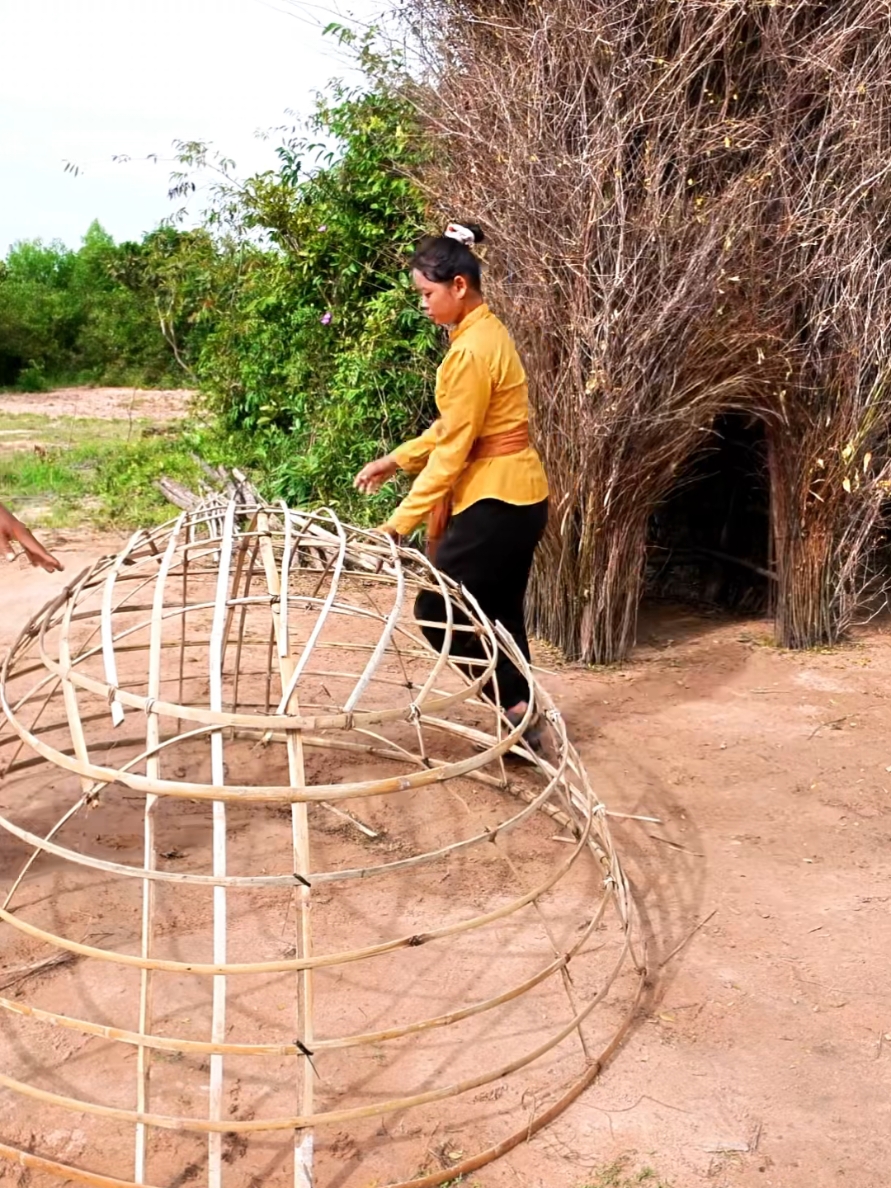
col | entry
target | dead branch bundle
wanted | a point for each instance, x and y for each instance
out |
(688, 203)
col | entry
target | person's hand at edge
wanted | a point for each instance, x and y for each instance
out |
(12, 529)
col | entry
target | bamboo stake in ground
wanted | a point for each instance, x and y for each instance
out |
(278, 585)
(218, 774)
(153, 771)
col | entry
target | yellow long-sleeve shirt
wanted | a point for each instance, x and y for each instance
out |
(481, 391)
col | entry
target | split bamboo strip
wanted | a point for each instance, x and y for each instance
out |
(218, 775)
(339, 561)
(153, 769)
(107, 632)
(221, 968)
(278, 590)
(465, 1167)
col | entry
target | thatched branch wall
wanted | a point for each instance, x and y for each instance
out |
(688, 203)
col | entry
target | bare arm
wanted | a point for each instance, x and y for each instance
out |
(13, 530)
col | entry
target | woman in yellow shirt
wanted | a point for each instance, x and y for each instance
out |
(481, 486)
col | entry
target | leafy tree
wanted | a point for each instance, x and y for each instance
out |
(71, 316)
(315, 353)
(39, 321)
(289, 306)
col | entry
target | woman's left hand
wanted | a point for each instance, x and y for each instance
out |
(372, 477)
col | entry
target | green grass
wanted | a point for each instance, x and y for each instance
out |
(95, 472)
(64, 431)
(619, 1175)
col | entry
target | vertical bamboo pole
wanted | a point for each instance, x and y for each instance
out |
(242, 620)
(278, 589)
(107, 626)
(69, 692)
(386, 634)
(153, 771)
(183, 626)
(322, 616)
(218, 776)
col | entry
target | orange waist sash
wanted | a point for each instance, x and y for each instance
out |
(498, 445)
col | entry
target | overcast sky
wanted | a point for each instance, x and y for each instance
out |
(83, 80)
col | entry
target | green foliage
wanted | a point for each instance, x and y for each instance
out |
(101, 471)
(124, 480)
(290, 306)
(618, 1175)
(78, 317)
(314, 352)
(38, 319)
(180, 276)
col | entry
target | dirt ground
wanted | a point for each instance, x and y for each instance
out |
(101, 403)
(762, 1054)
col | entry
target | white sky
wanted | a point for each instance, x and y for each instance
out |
(82, 80)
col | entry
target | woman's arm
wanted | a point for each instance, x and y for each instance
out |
(12, 529)
(413, 456)
(464, 392)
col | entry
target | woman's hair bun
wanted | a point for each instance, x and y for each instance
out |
(469, 235)
(443, 258)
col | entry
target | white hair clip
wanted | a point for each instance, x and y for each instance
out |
(462, 234)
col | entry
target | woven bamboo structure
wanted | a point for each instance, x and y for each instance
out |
(250, 695)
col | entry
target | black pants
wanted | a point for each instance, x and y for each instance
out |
(489, 549)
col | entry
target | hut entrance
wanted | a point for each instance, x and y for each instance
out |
(709, 542)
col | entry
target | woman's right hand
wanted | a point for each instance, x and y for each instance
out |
(373, 476)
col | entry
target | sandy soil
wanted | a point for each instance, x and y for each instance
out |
(762, 1055)
(24, 589)
(101, 403)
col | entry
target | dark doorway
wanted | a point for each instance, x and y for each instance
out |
(709, 542)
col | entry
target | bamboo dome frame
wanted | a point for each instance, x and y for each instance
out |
(252, 561)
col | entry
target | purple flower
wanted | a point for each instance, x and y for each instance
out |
(325, 319)
(324, 227)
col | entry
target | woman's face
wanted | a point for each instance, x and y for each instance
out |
(442, 301)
